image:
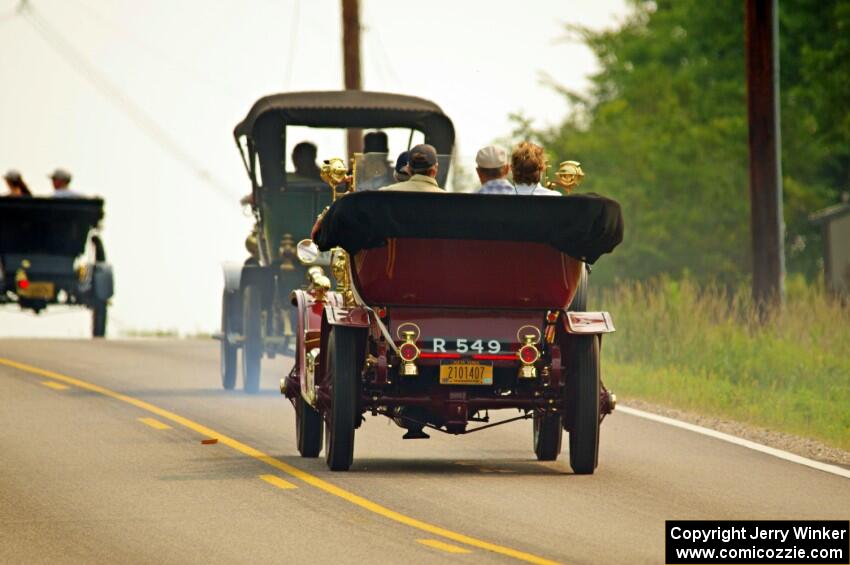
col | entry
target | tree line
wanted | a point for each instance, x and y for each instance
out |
(663, 129)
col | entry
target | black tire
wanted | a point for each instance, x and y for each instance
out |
(252, 331)
(579, 303)
(98, 319)
(229, 352)
(584, 389)
(308, 428)
(548, 430)
(342, 416)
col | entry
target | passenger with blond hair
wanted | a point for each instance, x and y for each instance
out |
(528, 163)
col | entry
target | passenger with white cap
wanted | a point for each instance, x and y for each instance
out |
(61, 181)
(493, 168)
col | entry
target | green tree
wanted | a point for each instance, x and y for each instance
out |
(664, 130)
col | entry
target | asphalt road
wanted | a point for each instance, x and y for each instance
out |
(119, 474)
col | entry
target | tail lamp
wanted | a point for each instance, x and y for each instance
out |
(409, 353)
(21, 279)
(528, 355)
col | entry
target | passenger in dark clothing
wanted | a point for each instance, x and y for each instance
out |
(375, 153)
(375, 142)
(16, 184)
(402, 171)
(304, 159)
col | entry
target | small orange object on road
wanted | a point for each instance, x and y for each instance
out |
(209, 441)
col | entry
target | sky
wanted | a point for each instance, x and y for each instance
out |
(139, 99)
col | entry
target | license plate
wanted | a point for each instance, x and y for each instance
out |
(39, 290)
(466, 373)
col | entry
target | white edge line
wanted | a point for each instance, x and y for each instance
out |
(787, 456)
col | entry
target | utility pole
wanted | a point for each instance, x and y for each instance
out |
(766, 225)
(351, 62)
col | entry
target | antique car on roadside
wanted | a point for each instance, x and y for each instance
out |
(448, 306)
(51, 253)
(256, 314)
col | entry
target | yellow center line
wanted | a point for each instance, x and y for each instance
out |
(277, 481)
(447, 547)
(55, 385)
(308, 478)
(154, 423)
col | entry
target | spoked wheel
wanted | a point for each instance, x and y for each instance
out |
(308, 428)
(342, 416)
(98, 319)
(252, 347)
(547, 436)
(584, 392)
(229, 351)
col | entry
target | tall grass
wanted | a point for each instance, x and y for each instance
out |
(704, 349)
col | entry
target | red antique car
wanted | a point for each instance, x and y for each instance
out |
(448, 306)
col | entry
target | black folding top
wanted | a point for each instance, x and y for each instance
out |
(351, 109)
(583, 226)
(52, 226)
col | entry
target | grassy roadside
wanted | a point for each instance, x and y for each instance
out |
(700, 349)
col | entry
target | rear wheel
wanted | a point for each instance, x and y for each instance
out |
(98, 319)
(252, 346)
(579, 303)
(342, 416)
(584, 392)
(229, 351)
(308, 428)
(547, 436)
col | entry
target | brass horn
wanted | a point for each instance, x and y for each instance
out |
(568, 176)
(334, 172)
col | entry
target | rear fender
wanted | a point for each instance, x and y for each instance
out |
(257, 276)
(356, 317)
(103, 282)
(232, 276)
(308, 332)
(588, 323)
(335, 315)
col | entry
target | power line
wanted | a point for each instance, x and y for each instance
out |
(80, 63)
(154, 52)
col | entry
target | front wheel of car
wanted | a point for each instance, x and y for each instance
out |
(342, 416)
(584, 400)
(252, 330)
(229, 351)
(548, 431)
(308, 428)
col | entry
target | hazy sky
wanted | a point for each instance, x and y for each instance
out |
(195, 67)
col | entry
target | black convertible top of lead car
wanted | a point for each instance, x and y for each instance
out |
(58, 226)
(583, 226)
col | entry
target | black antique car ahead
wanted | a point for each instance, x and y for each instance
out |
(51, 253)
(256, 313)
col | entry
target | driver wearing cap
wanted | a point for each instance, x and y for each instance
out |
(61, 180)
(423, 165)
